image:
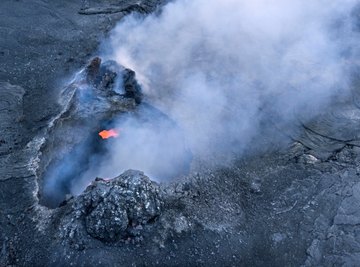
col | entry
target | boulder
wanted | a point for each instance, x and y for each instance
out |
(116, 209)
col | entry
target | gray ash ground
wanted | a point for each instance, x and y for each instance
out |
(297, 206)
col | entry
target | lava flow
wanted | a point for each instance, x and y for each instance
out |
(105, 134)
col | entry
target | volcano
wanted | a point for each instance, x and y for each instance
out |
(227, 132)
(88, 149)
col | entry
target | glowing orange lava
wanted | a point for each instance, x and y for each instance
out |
(105, 134)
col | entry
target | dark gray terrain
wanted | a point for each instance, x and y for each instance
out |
(296, 205)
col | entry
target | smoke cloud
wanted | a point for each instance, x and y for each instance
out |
(223, 70)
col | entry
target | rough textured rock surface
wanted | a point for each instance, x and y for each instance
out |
(118, 208)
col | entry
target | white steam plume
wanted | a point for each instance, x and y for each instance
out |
(221, 69)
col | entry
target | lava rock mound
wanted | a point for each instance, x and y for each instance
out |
(119, 208)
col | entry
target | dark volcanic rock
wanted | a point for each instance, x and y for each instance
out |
(93, 69)
(333, 129)
(104, 77)
(132, 88)
(109, 76)
(116, 209)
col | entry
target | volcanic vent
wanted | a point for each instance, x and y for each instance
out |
(104, 129)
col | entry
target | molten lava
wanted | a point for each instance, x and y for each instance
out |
(105, 134)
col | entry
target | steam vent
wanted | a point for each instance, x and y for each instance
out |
(179, 133)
